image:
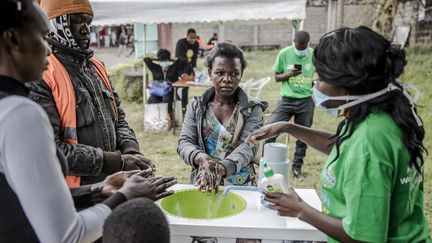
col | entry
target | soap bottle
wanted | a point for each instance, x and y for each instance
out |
(262, 165)
(273, 182)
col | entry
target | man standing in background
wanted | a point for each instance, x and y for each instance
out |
(188, 49)
(294, 69)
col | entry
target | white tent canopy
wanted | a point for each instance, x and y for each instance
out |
(109, 12)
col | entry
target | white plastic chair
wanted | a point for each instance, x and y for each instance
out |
(258, 87)
(246, 86)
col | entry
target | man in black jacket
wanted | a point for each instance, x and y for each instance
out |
(164, 68)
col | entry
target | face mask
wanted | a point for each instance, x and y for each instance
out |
(300, 53)
(320, 98)
(165, 64)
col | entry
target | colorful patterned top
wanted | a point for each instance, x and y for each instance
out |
(218, 138)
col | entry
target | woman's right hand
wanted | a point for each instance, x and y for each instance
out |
(153, 188)
(265, 132)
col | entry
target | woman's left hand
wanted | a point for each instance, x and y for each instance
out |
(286, 204)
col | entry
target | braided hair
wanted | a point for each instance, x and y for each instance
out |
(15, 13)
(364, 62)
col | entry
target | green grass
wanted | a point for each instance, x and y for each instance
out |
(162, 147)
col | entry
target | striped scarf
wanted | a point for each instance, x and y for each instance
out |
(61, 33)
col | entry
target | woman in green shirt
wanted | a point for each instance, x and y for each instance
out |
(371, 184)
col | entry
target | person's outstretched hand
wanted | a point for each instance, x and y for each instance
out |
(286, 204)
(265, 132)
(113, 183)
(153, 188)
(209, 173)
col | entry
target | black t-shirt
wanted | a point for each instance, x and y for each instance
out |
(187, 51)
(212, 40)
(179, 67)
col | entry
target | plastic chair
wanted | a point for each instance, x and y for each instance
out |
(258, 86)
(246, 86)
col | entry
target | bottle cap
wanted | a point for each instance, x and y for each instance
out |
(268, 172)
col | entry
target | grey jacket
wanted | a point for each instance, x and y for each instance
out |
(191, 140)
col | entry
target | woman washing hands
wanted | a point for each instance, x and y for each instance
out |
(209, 174)
(216, 125)
(372, 182)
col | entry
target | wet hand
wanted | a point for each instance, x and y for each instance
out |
(153, 188)
(286, 204)
(209, 173)
(114, 182)
(110, 185)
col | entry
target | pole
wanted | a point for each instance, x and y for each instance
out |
(294, 25)
(144, 72)
(340, 13)
(331, 15)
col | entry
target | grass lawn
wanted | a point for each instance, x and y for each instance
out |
(162, 147)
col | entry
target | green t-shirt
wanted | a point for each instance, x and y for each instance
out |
(301, 85)
(371, 186)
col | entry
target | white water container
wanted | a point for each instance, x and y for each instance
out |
(275, 156)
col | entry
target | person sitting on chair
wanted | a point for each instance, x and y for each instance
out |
(165, 68)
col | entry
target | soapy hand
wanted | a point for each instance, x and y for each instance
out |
(265, 132)
(209, 173)
(153, 188)
(286, 204)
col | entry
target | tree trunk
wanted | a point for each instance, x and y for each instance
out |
(384, 15)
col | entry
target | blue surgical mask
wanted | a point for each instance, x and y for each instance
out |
(300, 53)
(320, 98)
(352, 100)
(165, 64)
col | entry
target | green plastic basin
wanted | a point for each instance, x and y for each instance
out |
(193, 204)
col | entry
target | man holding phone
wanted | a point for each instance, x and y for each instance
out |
(294, 69)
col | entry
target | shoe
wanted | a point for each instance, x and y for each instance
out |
(297, 173)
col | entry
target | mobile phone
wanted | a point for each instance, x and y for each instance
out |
(298, 67)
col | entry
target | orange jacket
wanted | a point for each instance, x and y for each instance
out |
(63, 92)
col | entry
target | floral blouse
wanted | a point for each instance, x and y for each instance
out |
(218, 138)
